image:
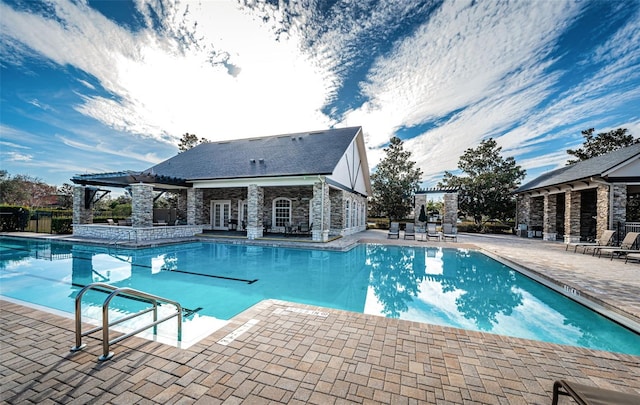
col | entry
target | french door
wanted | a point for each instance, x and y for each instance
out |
(220, 213)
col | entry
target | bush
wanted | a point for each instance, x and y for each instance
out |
(61, 225)
(13, 218)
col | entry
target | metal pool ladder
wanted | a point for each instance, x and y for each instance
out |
(124, 291)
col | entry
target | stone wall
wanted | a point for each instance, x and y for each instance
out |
(572, 202)
(549, 231)
(523, 208)
(194, 206)
(321, 212)
(255, 206)
(602, 209)
(141, 205)
(619, 197)
(122, 234)
(450, 210)
(81, 215)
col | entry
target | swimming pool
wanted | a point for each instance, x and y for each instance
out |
(214, 282)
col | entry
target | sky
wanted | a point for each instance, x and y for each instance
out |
(105, 86)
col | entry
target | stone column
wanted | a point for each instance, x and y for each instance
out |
(572, 203)
(603, 208)
(81, 213)
(321, 208)
(181, 209)
(141, 205)
(194, 206)
(450, 214)
(549, 231)
(255, 204)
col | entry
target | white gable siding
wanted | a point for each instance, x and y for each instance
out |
(632, 169)
(349, 171)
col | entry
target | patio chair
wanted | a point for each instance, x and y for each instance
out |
(449, 232)
(410, 231)
(626, 246)
(605, 240)
(305, 229)
(632, 256)
(110, 222)
(431, 231)
(394, 230)
(586, 394)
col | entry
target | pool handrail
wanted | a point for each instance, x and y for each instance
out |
(115, 291)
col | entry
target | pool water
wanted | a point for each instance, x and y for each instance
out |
(212, 281)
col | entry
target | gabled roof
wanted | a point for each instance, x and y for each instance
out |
(303, 153)
(594, 167)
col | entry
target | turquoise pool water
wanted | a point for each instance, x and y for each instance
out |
(445, 286)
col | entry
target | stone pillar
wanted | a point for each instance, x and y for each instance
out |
(255, 204)
(194, 206)
(450, 215)
(523, 210)
(141, 205)
(619, 203)
(572, 203)
(321, 211)
(181, 209)
(603, 208)
(81, 213)
(549, 231)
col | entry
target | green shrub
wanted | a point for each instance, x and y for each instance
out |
(61, 225)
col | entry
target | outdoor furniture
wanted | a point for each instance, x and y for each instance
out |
(432, 232)
(110, 222)
(449, 232)
(233, 224)
(605, 240)
(632, 256)
(625, 246)
(394, 231)
(589, 395)
(409, 231)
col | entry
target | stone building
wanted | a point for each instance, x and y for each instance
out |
(579, 201)
(317, 180)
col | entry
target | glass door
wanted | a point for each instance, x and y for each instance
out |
(220, 212)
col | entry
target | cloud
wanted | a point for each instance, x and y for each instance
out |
(18, 157)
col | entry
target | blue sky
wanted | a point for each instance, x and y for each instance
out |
(103, 86)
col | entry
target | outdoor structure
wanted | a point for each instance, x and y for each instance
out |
(580, 201)
(311, 182)
(449, 214)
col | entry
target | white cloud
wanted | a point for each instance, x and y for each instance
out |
(18, 157)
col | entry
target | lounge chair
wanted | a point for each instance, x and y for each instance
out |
(431, 231)
(410, 231)
(394, 230)
(110, 222)
(626, 246)
(449, 232)
(631, 256)
(605, 240)
(586, 394)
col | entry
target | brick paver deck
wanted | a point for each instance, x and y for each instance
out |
(303, 354)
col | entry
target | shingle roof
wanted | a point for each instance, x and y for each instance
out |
(304, 153)
(593, 167)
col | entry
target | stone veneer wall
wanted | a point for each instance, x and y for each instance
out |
(321, 211)
(549, 231)
(523, 207)
(572, 203)
(141, 205)
(181, 208)
(338, 211)
(602, 209)
(132, 234)
(536, 212)
(194, 206)
(450, 214)
(80, 214)
(255, 206)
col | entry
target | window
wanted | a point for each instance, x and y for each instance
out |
(281, 211)
(347, 214)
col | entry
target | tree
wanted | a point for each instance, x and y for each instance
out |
(24, 190)
(188, 141)
(65, 198)
(602, 143)
(394, 182)
(485, 190)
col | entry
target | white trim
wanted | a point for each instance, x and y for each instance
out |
(259, 181)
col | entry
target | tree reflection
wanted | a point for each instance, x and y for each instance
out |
(395, 278)
(483, 293)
